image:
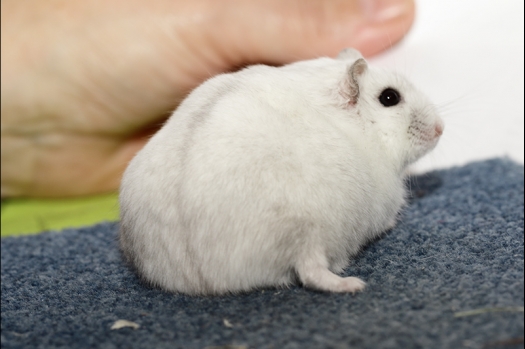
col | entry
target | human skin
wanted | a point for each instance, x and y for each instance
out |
(85, 83)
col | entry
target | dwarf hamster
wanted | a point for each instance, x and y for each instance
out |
(274, 175)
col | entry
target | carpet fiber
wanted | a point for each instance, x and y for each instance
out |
(459, 248)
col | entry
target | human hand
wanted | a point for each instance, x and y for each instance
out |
(85, 83)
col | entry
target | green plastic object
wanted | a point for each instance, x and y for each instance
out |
(32, 216)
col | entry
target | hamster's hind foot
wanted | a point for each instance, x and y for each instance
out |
(315, 274)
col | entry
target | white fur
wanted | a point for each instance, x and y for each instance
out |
(269, 175)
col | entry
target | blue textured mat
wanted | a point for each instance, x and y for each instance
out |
(459, 247)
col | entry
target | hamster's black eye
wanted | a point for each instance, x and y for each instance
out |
(389, 97)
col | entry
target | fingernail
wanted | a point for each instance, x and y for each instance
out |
(384, 10)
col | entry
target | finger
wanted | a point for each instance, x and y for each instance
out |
(282, 31)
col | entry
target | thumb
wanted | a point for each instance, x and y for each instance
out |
(281, 31)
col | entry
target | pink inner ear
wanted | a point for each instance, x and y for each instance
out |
(356, 69)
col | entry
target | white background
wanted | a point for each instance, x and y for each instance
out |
(467, 56)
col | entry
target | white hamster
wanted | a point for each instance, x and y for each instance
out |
(272, 175)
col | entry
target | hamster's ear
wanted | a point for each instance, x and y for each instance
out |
(353, 75)
(349, 54)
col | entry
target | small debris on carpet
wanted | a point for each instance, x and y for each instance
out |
(124, 323)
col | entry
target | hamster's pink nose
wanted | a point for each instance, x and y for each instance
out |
(439, 129)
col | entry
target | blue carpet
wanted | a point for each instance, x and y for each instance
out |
(459, 247)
